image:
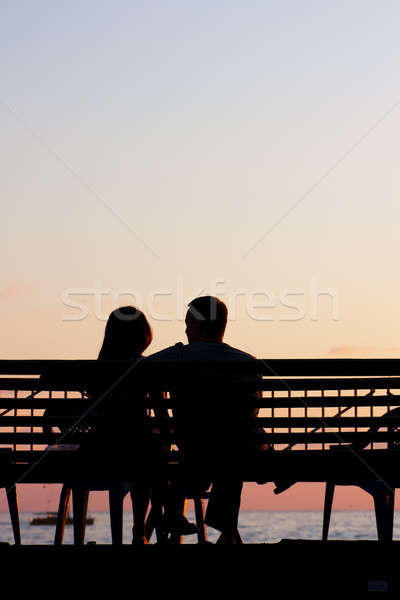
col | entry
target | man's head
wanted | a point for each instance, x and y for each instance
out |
(206, 320)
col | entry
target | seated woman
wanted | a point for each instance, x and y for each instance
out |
(127, 335)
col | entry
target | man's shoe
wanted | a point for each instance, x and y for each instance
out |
(137, 539)
(282, 486)
(229, 538)
(179, 525)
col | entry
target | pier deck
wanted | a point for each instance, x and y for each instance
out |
(306, 568)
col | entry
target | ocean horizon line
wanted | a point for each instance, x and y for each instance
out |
(244, 510)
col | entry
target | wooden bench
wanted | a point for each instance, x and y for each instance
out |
(307, 406)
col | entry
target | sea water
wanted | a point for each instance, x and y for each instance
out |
(255, 527)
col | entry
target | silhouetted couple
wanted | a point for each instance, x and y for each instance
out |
(213, 433)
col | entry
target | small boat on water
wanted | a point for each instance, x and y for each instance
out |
(50, 518)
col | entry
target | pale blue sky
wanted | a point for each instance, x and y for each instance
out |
(200, 125)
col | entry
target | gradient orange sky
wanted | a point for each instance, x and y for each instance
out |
(155, 151)
(302, 496)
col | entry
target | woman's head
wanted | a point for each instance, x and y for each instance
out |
(127, 334)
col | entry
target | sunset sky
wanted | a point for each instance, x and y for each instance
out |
(155, 151)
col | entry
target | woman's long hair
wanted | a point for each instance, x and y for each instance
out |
(127, 334)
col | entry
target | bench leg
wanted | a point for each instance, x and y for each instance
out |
(384, 508)
(80, 503)
(390, 516)
(149, 525)
(153, 521)
(199, 511)
(175, 538)
(12, 500)
(329, 491)
(116, 499)
(63, 507)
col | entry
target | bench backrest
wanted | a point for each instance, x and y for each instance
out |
(300, 408)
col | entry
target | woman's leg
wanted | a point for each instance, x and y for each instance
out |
(140, 495)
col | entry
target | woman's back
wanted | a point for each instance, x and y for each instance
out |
(122, 416)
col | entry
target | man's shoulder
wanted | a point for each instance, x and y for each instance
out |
(233, 352)
(170, 353)
(201, 351)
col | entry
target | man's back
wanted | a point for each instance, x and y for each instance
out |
(213, 413)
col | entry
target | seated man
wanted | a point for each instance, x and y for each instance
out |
(216, 433)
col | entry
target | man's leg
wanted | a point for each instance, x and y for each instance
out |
(140, 496)
(175, 521)
(223, 509)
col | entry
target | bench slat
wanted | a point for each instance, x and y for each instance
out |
(268, 422)
(75, 383)
(39, 438)
(277, 402)
(267, 366)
